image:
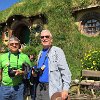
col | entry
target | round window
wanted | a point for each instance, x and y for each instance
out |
(91, 27)
(90, 24)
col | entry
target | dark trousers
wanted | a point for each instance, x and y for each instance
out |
(33, 91)
(42, 91)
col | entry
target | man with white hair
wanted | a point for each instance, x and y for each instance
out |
(11, 71)
(56, 76)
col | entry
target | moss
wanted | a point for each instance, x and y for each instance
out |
(61, 24)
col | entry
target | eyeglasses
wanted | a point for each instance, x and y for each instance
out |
(16, 44)
(47, 36)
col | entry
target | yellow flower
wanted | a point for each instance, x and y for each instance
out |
(94, 63)
(81, 60)
(87, 68)
(91, 67)
(90, 58)
(82, 66)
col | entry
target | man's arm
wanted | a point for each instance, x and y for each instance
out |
(65, 72)
(64, 69)
(0, 69)
(0, 75)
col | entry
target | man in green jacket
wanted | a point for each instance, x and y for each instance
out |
(11, 71)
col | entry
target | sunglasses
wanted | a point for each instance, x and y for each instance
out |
(16, 44)
(47, 36)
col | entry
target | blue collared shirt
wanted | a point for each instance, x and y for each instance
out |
(43, 61)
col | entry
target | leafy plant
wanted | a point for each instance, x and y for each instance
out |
(91, 60)
(30, 51)
(3, 48)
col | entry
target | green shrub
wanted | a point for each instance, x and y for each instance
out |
(30, 50)
(3, 48)
(91, 60)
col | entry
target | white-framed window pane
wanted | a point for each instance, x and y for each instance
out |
(91, 26)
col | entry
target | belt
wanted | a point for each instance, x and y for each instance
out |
(43, 86)
(2, 84)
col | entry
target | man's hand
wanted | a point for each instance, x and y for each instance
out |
(64, 94)
(19, 72)
(34, 74)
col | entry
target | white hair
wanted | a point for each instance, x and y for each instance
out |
(46, 31)
(13, 38)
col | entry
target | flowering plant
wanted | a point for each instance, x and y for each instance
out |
(91, 60)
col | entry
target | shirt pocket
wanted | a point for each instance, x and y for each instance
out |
(53, 63)
(55, 76)
(54, 69)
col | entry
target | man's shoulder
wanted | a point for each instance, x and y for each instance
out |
(4, 54)
(56, 48)
(23, 54)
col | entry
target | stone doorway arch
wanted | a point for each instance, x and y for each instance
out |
(21, 30)
(23, 27)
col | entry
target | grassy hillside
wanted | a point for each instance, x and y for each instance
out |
(61, 24)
